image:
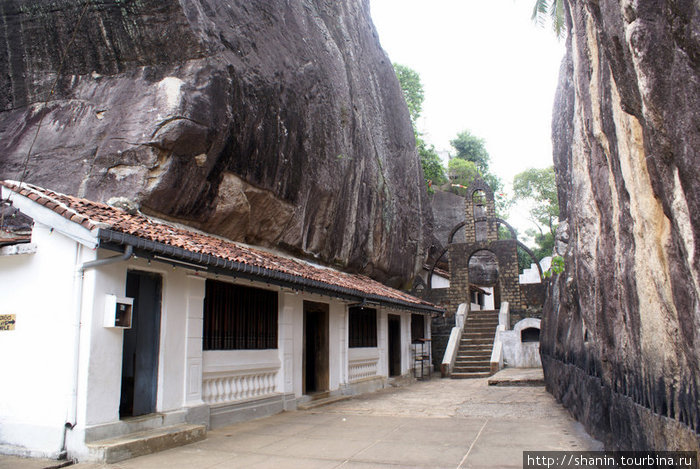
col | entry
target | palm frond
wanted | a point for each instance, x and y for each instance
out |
(552, 10)
(558, 18)
(539, 12)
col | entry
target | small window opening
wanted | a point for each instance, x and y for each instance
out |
(530, 334)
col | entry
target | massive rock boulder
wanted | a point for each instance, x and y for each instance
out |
(274, 123)
(448, 212)
(620, 341)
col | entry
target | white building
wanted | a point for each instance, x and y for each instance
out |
(532, 274)
(106, 316)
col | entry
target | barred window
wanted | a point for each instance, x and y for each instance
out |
(362, 327)
(239, 318)
(417, 327)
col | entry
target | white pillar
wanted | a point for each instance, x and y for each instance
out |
(195, 325)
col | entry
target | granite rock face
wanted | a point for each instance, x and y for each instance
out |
(620, 339)
(274, 123)
(448, 212)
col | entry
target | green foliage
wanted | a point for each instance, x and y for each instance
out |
(552, 10)
(412, 88)
(472, 160)
(462, 172)
(539, 186)
(557, 267)
(433, 171)
(412, 91)
(544, 243)
(471, 148)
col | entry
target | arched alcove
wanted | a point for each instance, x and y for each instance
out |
(483, 278)
(530, 334)
(483, 268)
(480, 214)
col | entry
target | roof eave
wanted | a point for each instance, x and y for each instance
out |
(41, 214)
(115, 239)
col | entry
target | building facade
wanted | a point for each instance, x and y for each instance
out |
(122, 323)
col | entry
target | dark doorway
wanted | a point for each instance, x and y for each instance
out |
(315, 372)
(141, 344)
(394, 345)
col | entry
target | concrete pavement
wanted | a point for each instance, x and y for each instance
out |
(440, 423)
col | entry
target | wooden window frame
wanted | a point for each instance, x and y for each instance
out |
(417, 327)
(362, 327)
(238, 317)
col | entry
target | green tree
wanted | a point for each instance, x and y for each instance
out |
(473, 159)
(462, 172)
(471, 148)
(538, 186)
(550, 10)
(433, 170)
(412, 91)
(412, 88)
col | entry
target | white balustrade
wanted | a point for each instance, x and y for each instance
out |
(222, 387)
(362, 368)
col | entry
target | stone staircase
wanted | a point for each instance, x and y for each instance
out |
(474, 354)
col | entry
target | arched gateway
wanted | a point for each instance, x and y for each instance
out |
(481, 234)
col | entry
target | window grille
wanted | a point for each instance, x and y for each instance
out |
(238, 317)
(363, 327)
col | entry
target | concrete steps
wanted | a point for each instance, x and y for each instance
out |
(462, 375)
(321, 401)
(474, 354)
(145, 442)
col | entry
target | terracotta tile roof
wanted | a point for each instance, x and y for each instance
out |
(95, 215)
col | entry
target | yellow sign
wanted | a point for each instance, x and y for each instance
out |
(7, 322)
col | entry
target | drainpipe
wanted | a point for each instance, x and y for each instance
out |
(79, 276)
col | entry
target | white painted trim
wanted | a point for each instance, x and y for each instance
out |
(363, 353)
(235, 370)
(48, 217)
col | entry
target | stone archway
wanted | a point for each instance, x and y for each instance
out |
(483, 274)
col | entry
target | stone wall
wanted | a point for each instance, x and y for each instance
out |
(532, 295)
(440, 330)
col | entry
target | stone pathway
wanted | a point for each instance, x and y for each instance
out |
(440, 423)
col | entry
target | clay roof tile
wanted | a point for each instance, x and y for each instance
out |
(89, 214)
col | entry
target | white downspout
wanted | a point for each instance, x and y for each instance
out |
(78, 279)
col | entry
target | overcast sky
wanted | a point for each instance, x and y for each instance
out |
(485, 67)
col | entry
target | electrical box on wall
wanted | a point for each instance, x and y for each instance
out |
(118, 312)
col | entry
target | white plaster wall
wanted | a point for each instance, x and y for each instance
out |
(517, 354)
(195, 325)
(336, 343)
(36, 387)
(531, 274)
(289, 305)
(489, 299)
(405, 342)
(101, 354)
(438, 281)
(297, 315)
(383, 342)
(217, 361)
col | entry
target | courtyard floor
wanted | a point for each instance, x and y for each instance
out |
(441, 423)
